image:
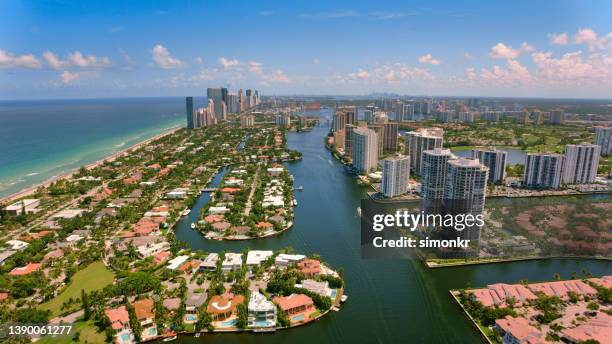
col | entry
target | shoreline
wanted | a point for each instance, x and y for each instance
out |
(110, 158)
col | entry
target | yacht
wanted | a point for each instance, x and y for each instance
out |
(193, 225)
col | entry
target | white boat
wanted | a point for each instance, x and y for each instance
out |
(343, 298)
(193, 225)
(359, 211)
(169, 339)
(186, 212)
(197, 335)
(295, 202)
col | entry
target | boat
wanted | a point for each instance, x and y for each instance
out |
(169, 339)
(185, 212)
(169, 336)
(197, 335)
(343, 298)
(295, 202)
(299, 188)
(359, 211)
(193, 225)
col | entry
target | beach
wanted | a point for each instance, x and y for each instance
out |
(30, 190)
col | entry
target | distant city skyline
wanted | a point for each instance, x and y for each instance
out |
(461, 48)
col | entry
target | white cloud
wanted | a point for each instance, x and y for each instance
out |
(255, 67)
(513, 74)
(316, 61)
(69, 78)
(574, 68)
(386, 15)
(592, 40)
(559, 38)
(428, 59)
(199, 60)
(77, 60)
(129, 63)
(277, 76)
(526, 47)
(502, 51)
(227, 64)
(11, 61)
(360, 74)
(163, 59)
(331, 15)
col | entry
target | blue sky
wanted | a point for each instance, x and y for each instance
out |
(82, 49)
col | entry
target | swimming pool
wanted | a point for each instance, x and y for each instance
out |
(124, 337)
(152, 331)
(262, 323)
(229, 323)
(333, 294)
(298, 318)
(191, 317)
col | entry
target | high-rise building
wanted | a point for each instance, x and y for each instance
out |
(190, 112)
(216, 95)
(283, 120)
(339, 121)
(379, 129)
(348, 140)
(543, 170)
(495, 160)
(603, 138)
(210, 113)
(390, 137)
(466, 184)
(339, 139)
(434, 166)
(396, 172)
(350, 114)
(581, 163)
(421, 140)
(241, 100)
(557, 116)
(368, 116)
(247, 121)
(365, 149)
(381, 117)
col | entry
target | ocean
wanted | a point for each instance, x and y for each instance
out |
(41, 139)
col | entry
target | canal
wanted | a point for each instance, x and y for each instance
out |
(390, 301)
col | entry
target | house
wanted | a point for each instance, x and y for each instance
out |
(53, 255)
(4, 255)
(161, 257)
(232, 261)
(178, 193)
(172, 304)
(265, 226)
(561, 289)
(192, 306)
(261, 311)
(119, 319)
(25, 270)
(321, 288)
(25, 206)
(17, 245)
(68, 214)
(284, 260)
(598, 328)
(218, 210)
(222, 307)
(177, 261)
(72, 239)
(518, 330)
(150, 249)
(298, 307)
(498, 294)
(309, 267)
(221, 226)
(145, 314)
(255, 258)
(209, 263)
(275, 171)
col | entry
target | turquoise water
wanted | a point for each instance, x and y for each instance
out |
(229, 323)
(42, 139)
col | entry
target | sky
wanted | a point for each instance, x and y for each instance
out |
(99, 49)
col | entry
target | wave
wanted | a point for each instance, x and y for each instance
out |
(32, 174)
(121, 144)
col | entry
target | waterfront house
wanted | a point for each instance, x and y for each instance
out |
(145, 314)
(518, 331)
(192, 306)
(309, 267)
(6, 254)
(218, 210)
(264, 226)
(222, 307)
(150, 249)
(298, 307)
(596, 329)
(275, 171)
(498, 294)
(210, 262)
(178, 193)
(321, 288)
(255, 258)
(25, 206)
(261, 311)
(161, 257)
(283, 260)
(120, 324)
(232, 262)
(561, 289)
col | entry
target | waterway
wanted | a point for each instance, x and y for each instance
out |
(390, 301)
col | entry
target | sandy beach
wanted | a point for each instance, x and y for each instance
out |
(30, 190)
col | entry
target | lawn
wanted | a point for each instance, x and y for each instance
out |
(94, 277)
(88, 333)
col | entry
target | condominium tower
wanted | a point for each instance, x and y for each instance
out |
(365, 149)
(495, 160)
(396, 171)
(543, 170)
(419, 141)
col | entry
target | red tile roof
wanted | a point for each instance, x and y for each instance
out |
(25, 270)
(292, 301)
(118, 317)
